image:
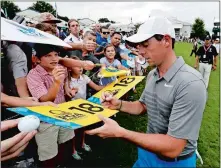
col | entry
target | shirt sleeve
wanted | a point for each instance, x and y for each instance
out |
(36, 85)
(215, 52)
(67, 40)
(87, 79)
(187, 111)
(199, 52)
(117, 63)
(17, 61)
(102, 61)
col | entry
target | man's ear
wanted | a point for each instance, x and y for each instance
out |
(166, 41)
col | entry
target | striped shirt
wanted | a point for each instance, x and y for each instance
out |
(39, 81)
(175, 103)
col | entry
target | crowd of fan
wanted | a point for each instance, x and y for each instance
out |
(42, 74)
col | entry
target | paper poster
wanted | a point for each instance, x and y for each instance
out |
(73, 114)
(118, 88)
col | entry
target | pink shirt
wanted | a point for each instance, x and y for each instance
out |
(39, 81)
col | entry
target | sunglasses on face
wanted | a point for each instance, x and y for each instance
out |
(106, 32)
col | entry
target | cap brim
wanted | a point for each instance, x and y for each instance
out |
(52, 21)
(138, 38)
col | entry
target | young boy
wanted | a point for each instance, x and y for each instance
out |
(46, 83)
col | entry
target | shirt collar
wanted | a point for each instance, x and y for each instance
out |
(74, 79)
(41, 70)
(172, 70)
(74, 37)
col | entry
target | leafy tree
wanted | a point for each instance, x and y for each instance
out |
(199, 28)
(137, 25)
(42, 6)
(103, 20)
(11, 8)
(65, 18)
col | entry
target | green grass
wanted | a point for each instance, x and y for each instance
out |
(120, 153)
(208, 143)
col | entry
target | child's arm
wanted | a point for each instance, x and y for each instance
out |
(58, 74)
(95, 86)
(121, 67)
(12, 101)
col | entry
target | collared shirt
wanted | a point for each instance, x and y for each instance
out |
(98, 36)
(15, 67)
(72, 39)
(175, 103)
(39, 81)
(81, 85)
(17, 61)
(101, 40)
(206, 54)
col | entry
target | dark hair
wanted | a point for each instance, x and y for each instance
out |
(44, 49)
(159, 37)
(103, 27)
(109, 45)
(74, 57)
(46, 27)
(72, 20)
(115, 33)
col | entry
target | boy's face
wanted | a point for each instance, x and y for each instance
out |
(116, 39)
(92, 39)
(49, 61)
(110, 53)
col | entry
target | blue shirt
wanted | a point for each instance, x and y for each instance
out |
(101, 40)
(109, 39)
(98, 36)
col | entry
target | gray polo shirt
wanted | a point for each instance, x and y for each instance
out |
(175, 103)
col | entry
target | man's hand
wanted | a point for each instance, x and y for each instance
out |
(195, 66)
(108, 101)
(58, 74)
(214, 67)
(12, 147)
(88, 65)
(89, 45)
(108, 130)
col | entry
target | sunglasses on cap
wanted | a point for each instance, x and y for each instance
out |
(106, 32)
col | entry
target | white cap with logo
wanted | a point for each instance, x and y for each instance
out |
(154, 25)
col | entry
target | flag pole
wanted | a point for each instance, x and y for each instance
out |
(56, 10)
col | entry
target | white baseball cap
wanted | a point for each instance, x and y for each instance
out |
(154, 25)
